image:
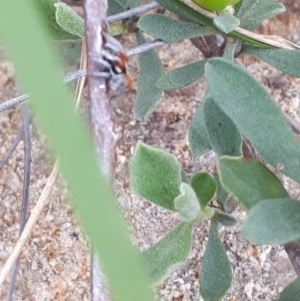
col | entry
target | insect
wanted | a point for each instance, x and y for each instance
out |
(113, 65)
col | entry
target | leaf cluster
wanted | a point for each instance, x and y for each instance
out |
(235, 107)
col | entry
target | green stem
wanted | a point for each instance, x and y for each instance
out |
(203, 20)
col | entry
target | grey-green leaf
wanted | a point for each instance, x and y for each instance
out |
(155, 175)
(255, 114)
(181, 77)
(284, 60)
(115, 7)
(47, 9)
(133, 3)
(184, 177)
(223, 135)
(198, 136)
(204, 186)
(187, 203)
(273, 222)
(148, 94)
(222, 195)
(177, 10)
(69, 20)
(216, 276)
(224, 218)
(291, 292)
(249, 181)
(170, 30)
(169, 252)
(226, 22)
(252, 12)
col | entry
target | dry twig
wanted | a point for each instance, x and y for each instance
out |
(26, 185)
(100, 119)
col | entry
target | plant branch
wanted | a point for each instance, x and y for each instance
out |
(206, 17)
(82, 72)
(132, 12)
(100, 119)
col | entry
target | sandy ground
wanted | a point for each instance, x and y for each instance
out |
(54, 264)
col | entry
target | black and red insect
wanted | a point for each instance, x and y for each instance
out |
(113, 65)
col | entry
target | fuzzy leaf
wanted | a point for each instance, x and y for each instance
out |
(155, 175)
(223, 135)
(255, 114)
(273, 222)
(221, 193)
(215, 278)
(224, 218)
(184, 177)
(69, 20)
(198, 136)
(252, 12)
(115, 7)
(181, 77)
(169, 252)
(148, 94)
(226, 22)
(133, 3)
(187, 203)
(48, 10)
(204, 186)
(177, 10)
(230, 204)
(249, 181)
(170, 30)
(291, 292)
(282, 59)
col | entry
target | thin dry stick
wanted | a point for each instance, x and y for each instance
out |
(41, 203)
(13, 146)
(26, 184)
(80, 85)
(44, 197)
(132, 12)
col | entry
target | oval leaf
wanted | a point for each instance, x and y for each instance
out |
(115, 7)
(204, 186)
(221, 193)
(252, 13)
(198, 136)
(155, 175)
(282, 59)
(181, 77)
(273, 222)
(226, 22)
(69, 20)
(148, 94)
(255, 114)
(170, 30)
(249, 181)
(169, 252)
(215, 278)
(223, 136)
(291, 292)
(47, 10)
(224, 218)
(187, 203)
